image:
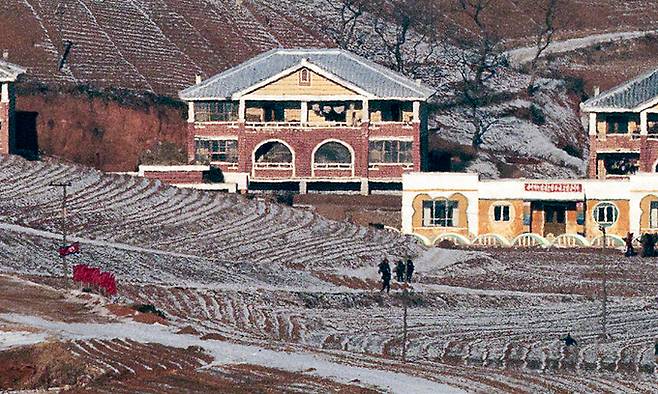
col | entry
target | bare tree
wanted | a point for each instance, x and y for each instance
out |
(543, 40)
(345, 32)
(479, 59)
(407, 31)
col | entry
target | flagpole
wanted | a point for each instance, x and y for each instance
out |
(64, 227)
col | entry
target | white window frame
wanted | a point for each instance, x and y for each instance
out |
(608, 210)
(383, 143)
(653, 214)
(218, 141)
(501, 217)
(450, 219)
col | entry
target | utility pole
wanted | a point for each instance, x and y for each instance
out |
(604, 306)
(64, 185)
(404, 323)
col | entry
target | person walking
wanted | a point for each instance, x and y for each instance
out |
(410, 270)
(569, 341)
(385, 270)
(399, 271)
(630, 250)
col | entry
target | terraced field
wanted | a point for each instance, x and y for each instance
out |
(260, 296)
(160, 45)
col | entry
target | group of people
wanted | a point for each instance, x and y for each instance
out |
(403, 272)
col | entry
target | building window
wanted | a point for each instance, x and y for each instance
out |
(273, 155)
(304, 77)
(390, 152)
(605, 213)
(617, 124)
(653, 215)
(215, 111)
(440, 213)
(622, 164)
(501, 213)
(652, 124)
(332, 155)
(221, 151)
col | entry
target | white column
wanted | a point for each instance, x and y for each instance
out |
(304, 114)
(5, 93)
(190, 111)
(644, 129)
(365, 117)
(242, 109)
(416, 107)
(592, 123)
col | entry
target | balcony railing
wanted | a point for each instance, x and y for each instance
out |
(332, 166)
(406, 166)
(307, 125)
(272, 166)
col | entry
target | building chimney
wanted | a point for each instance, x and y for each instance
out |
(597, 91)
(5, 54)
(198, 79)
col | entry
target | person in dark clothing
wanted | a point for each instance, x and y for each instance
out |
(410, 270)
(630, 251)
(385, 270)
(569, 341)
(399, 271)
(648, 245)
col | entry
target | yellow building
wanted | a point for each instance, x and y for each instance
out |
(466, 210)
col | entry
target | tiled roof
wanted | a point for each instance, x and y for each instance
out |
(627, 96)
(362, 73)
(9, 72)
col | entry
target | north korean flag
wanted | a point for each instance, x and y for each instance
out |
(70, 249)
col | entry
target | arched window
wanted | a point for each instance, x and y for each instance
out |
(304, 77)
(332, 155)
(273, 154)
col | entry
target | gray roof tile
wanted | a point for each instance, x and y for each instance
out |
(9, 71)
(360, 72)
(627, 96)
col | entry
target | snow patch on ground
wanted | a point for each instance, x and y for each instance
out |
(231, 353)
(526, 54)
(9, 339)
(435, 259)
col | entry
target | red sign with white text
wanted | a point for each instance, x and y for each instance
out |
(70, 249)
(554, 187)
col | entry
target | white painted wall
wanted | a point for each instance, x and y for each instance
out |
(633, 189)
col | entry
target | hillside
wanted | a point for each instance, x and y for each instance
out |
(158, 46)
(257, 295)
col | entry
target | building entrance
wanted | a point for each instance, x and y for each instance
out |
(555, 219)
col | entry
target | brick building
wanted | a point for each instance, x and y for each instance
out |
(8, 74)
(623, 128)
(307, 119)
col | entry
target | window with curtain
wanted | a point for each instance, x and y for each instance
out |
(440, 213)
(222, 151)
(390, 151)
(215, 111)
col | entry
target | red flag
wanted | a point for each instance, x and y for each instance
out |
(70, 249)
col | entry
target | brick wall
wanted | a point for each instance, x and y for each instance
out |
(648, 148)
(176, 176)
(303, 142)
